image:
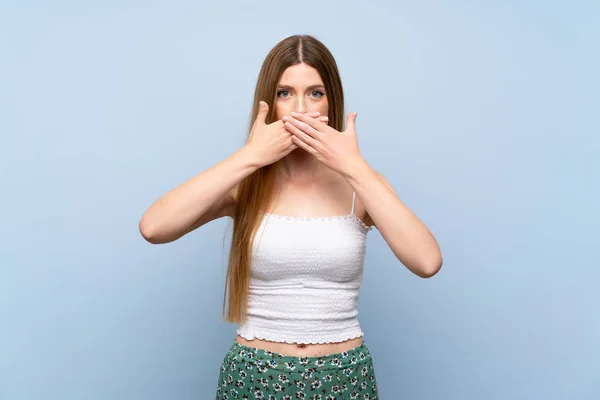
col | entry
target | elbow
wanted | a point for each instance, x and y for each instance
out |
(149, 231)
(430, 268)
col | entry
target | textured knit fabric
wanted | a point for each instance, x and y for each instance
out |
(306, 274)
(250, 373)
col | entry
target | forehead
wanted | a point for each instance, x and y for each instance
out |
(300, 75)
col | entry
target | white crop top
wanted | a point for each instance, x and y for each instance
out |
(305, 278)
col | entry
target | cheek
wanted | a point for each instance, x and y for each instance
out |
(323, 108)
(281, 109)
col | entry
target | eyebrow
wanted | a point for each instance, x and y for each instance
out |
(287, 87)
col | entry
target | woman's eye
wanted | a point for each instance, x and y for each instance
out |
(317, 93)
(283, 93)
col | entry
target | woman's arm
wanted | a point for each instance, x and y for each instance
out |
(201, 199)
(408, 237)
(212, 194)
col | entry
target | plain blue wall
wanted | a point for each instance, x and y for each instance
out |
(483, 115)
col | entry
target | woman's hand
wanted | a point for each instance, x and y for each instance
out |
(272, 142)
(337, 150)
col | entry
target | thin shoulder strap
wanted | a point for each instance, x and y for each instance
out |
(353, 200)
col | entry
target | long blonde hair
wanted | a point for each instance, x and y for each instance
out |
(255, 192)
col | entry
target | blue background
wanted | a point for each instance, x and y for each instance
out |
(483, 115)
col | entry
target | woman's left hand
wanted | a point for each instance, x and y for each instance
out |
(337, 150)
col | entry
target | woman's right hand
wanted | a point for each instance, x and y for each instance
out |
(271, 142)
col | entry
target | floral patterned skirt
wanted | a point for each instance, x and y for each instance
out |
(251, 373)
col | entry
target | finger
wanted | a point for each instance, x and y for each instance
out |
(304, 145)
(304, 127)
(294, 130)
(324, 120)
(315, 114)
(308, 121)
(293, 146)
(351, 121)
(263, 110)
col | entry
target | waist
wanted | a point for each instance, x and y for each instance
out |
(302, 313)
(300, 331)
(301, 350)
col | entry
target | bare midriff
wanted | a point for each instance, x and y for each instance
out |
(301, 350)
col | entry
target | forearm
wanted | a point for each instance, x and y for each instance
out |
(175, 212)
(408, 237)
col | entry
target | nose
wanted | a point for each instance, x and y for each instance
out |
(300, 105)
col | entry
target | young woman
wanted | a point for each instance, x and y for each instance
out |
(302, 200)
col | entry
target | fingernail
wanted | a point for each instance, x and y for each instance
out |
(294, 114)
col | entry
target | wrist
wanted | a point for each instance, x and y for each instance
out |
(357, 168)
(250, 157)
(360, 174)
